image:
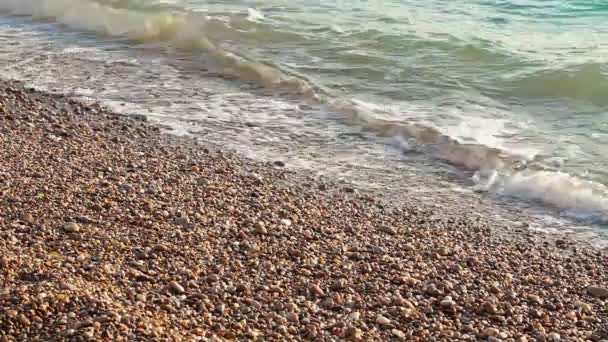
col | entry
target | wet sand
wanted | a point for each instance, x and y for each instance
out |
(110, 230)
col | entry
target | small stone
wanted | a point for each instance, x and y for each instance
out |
(316, 289)
(522, 338)
(286, 222)
(383, 321)
(27, 218)
(490, 332)
(456, 268)
(4, 262)
(24, 320)
(353, 333)
(447, 303)
(177, 287)
(202, 181)
(354, 316)
(279, 163)
(489, 308)
(75, 236)
(291, 307)
(67, 286)
(398, 333)
(583, 307)
(126, 187)
(572, 316)
(494, 289)
(71, 227)
(260, 228)
(443, 251)
(160, 249)
(409, 247)
(328, 303)
(387, 229)
(534, 299)
(292, 317)
(338, 284)
(182, 221)
(143, 277)
(220, 309)
(554, 336)
(254, 303)
(599, 292)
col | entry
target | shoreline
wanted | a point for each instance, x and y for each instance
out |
(111, 229)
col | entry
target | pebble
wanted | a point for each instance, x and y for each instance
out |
(177, 287)
(383, 321)
(24, 320)
(387, 229)
(572, 316)
(353, 334)
(398, 333)
(447, 303)
(292, 317)
(67, 286)
(127, 187)
(583, 307)
(4, 262)
(354, 316)
(599, 292)
(71, 227)
(291, 307)
(182, 221)
(338, 284)
(490, 332)
(260, 228)
(456, 268)
(534, 299)
(554, 336)
(27, 218)
(317, 290)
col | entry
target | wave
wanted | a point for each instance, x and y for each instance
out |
(494, 169)
(587, 82)
(560, 190)
(185, 30)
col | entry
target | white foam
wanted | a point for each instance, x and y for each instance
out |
(559, 190)
(254, 15)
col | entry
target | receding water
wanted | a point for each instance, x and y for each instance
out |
(504, 97)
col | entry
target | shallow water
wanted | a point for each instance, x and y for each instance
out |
(509, 98)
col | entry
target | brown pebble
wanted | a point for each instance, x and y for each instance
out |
(316, 290)
(599, 292)
(387, 229)
(67, 286)
(177, 287)
(71, 227)
(27, 218)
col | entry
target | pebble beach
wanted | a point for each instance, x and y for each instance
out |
(111, 230)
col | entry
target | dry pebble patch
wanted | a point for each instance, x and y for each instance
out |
(109, 232)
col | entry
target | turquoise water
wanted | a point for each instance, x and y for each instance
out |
(513, 94)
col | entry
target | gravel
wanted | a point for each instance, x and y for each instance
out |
(110, 230)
